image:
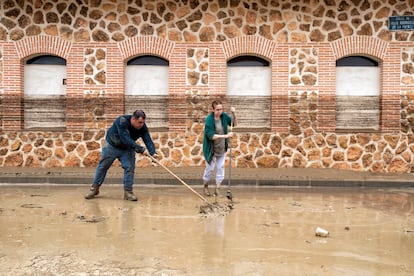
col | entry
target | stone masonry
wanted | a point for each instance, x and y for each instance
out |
(407, 70)
(301, 39)
(202, 21)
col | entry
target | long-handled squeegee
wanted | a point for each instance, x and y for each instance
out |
(228, 194)
(179, 179)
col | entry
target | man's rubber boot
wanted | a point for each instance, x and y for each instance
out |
(129, 195)
(94, 191)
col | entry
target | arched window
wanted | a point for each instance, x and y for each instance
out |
(146, 88)
(249, 90)
(45, 93)
(357, 94)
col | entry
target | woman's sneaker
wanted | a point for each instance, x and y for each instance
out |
(206, 190)
(217, 192)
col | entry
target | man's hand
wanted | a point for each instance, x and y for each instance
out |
(154, 158)
(230, 134)
(139, 149)
(232, 109)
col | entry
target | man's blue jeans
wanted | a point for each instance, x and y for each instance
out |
(108, 156)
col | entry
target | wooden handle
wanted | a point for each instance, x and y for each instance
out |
(179, 179)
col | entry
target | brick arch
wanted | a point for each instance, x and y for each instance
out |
(146, 45)
(35, 45)
(364, 45)
(249, 45)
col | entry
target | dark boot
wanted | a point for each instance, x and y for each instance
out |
(129, 195)
(94, 191)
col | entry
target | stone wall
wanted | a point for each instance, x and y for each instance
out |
(360, 152)
(302, 147)
(301, 40)
(201, 21)
(407, 74)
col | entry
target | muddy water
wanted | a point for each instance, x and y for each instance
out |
(53, 230)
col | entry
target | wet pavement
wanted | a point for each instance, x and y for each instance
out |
(53, 230)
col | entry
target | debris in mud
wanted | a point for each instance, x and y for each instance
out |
(269, 224)
(34, 195)
(217, 209)
(320, 232)
(69, 263)
(30, 205)
(295, 204)
(92, 219)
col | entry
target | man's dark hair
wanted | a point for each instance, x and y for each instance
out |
(139, 114)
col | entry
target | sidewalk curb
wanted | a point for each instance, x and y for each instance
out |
(303, 177)
(195, 182)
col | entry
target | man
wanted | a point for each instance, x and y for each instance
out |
(120, 144)
(215, 144)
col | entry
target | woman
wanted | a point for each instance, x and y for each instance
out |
(215, 144)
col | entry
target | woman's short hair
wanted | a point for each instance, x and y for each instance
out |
(215, 103)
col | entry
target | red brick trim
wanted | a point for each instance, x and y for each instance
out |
(364, 45)
(389, 58)
(35, 45)
(279, 121)
(249, 45)
(146, 45)
(264, 48)
(26, 47)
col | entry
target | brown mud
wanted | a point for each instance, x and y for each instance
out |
(50, 230)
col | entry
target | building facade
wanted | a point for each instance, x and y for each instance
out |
(316, 84)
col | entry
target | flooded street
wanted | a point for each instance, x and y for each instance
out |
(49, 230)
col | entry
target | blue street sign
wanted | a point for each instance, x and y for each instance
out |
(401, 23)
